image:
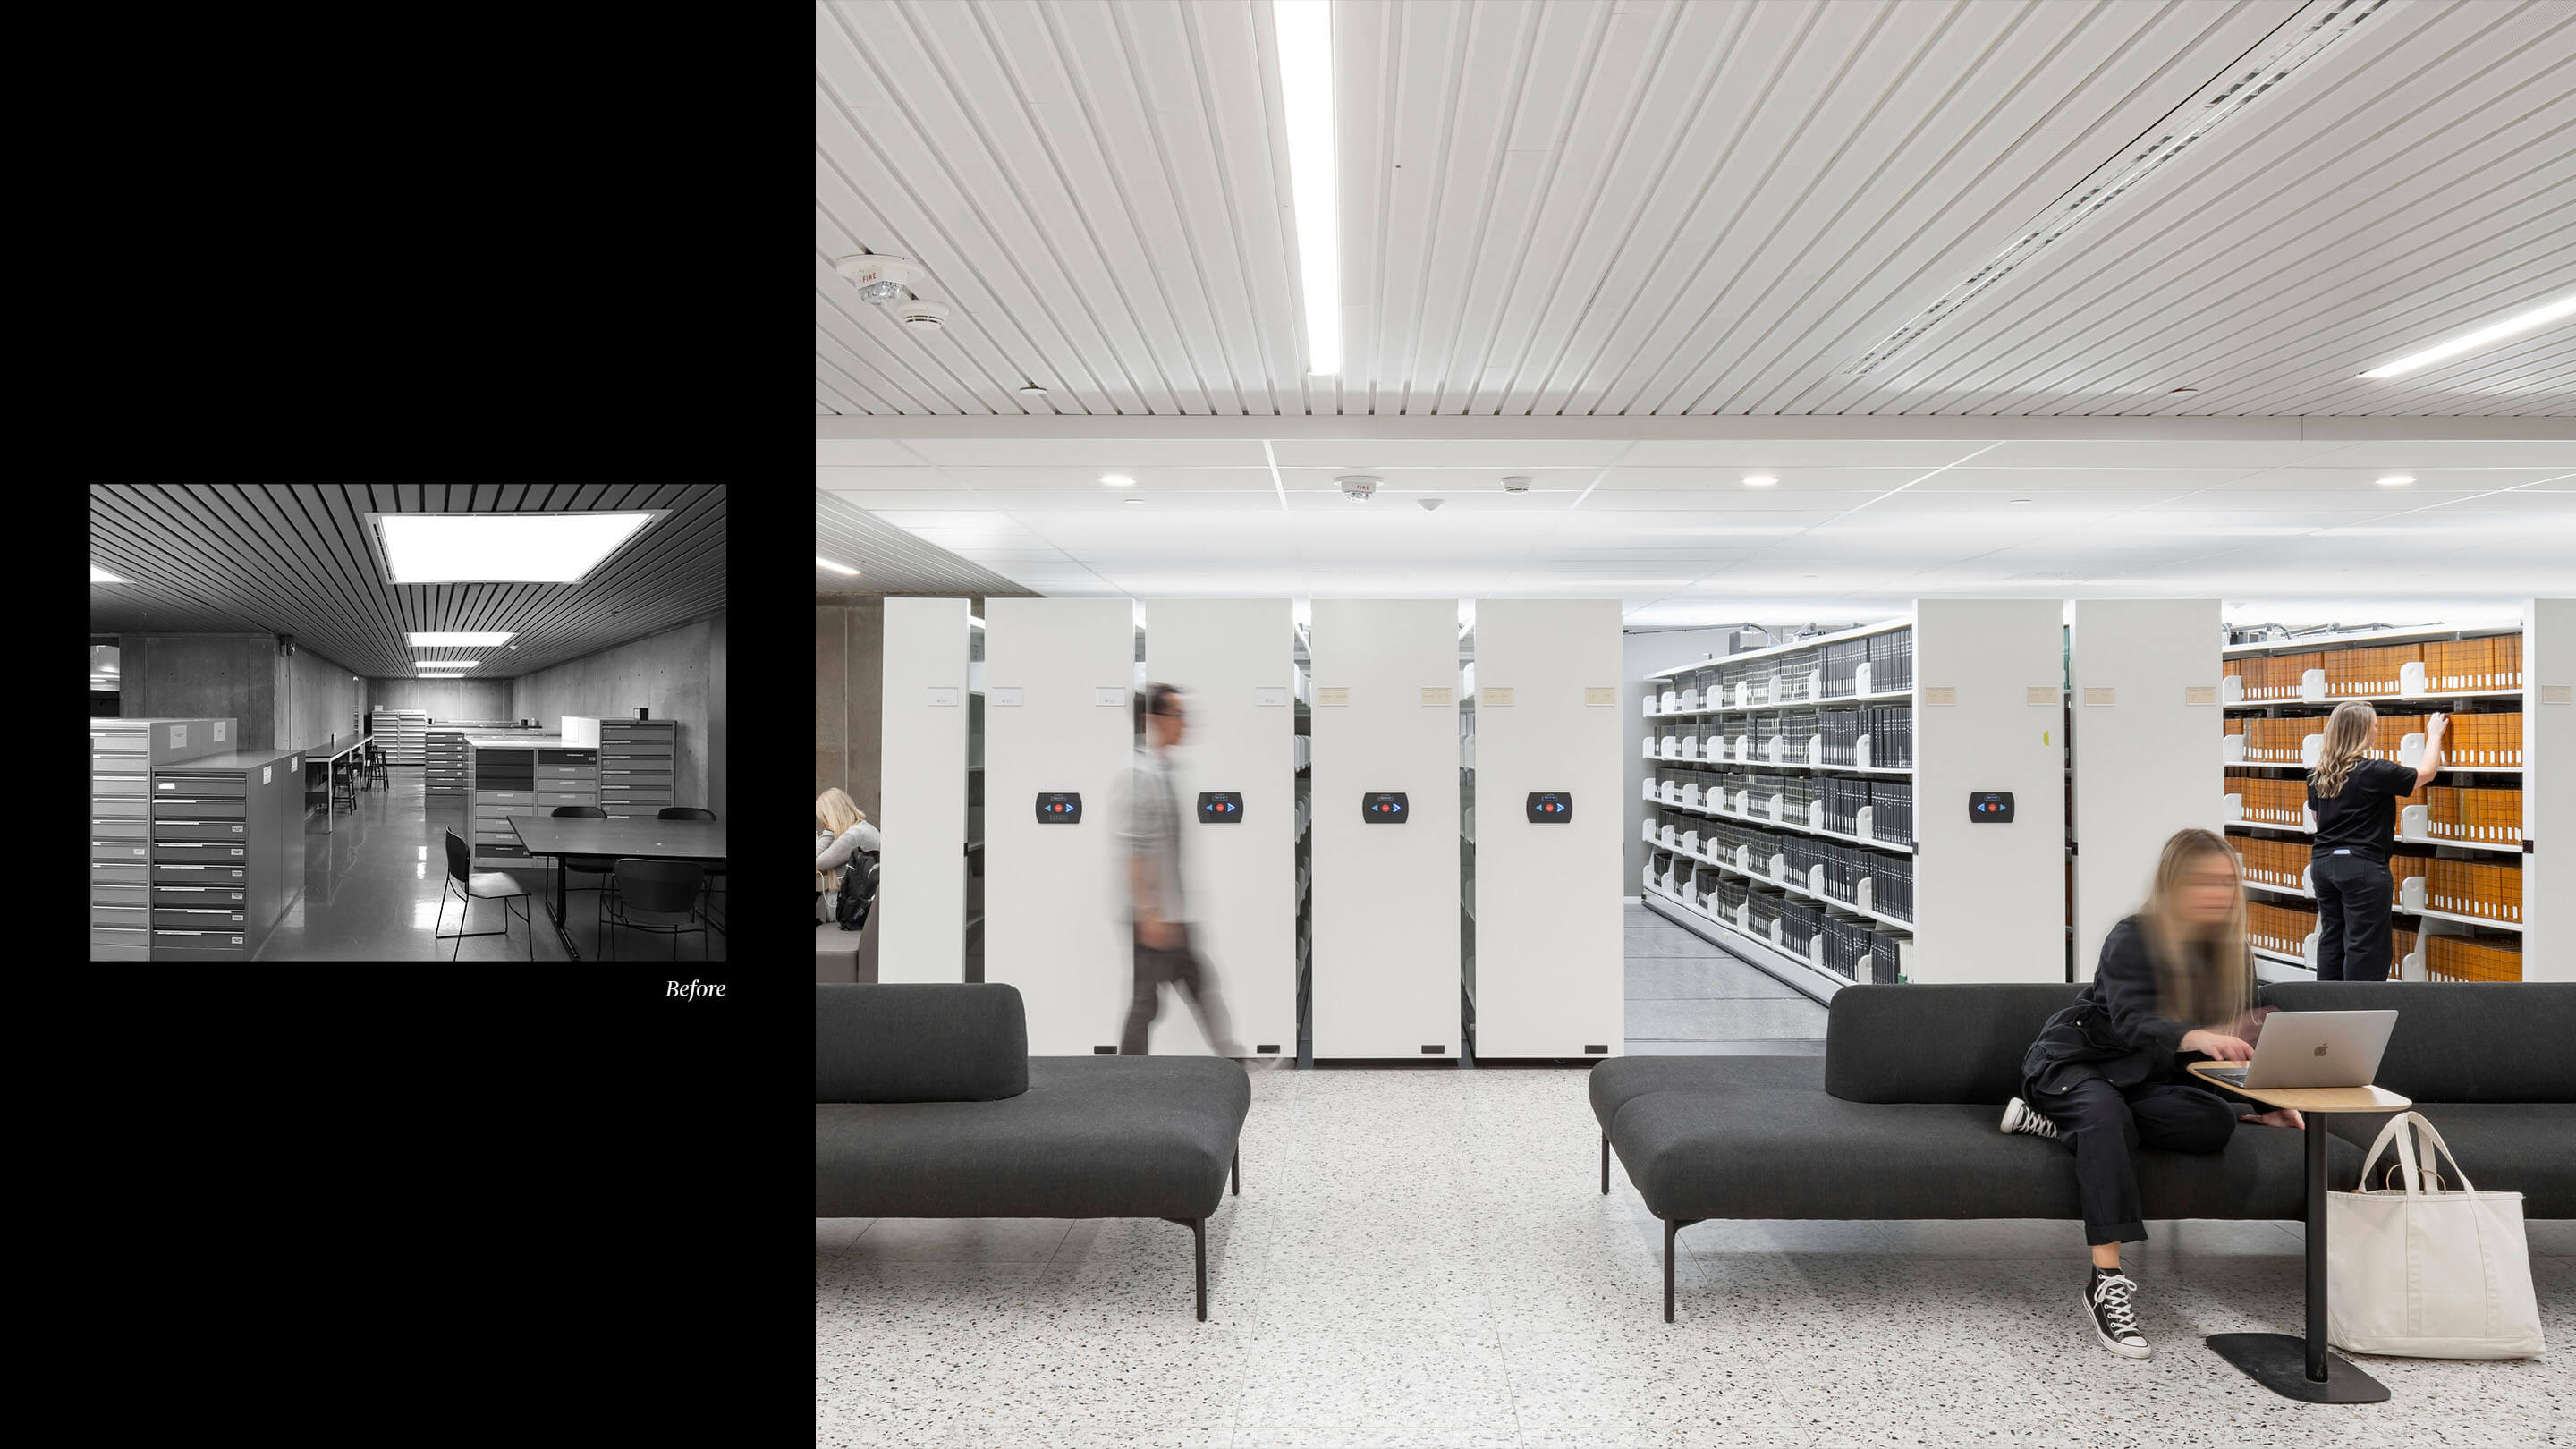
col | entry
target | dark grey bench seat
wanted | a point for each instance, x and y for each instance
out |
(1899, 1119)
(927, 1104)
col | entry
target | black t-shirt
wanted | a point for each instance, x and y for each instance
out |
(2363, 817)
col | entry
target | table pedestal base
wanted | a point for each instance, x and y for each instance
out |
(2279, 1362)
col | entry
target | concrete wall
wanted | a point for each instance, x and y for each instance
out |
(669, 673)
(849, 684)
(315, 699)
(203, 676)
(474, 699)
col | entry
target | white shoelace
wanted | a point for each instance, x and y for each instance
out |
(2027, 1118)
(2112, 1295)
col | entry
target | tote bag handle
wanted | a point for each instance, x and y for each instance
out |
(2406, 1152)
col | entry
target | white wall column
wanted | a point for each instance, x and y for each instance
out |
(921, 895)
(2147, 728)
(1989, 899)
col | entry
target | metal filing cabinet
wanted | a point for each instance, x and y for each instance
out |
(122, 753)
(566, 777)
(399, 734)
(227, 853)
(445, 776)
(504, 777)
(635, 766)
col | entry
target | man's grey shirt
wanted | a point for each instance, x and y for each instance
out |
(1150, 829)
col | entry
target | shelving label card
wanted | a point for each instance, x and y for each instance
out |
(1437, 695)
(1007, 695)
(1269, 696)
(2558, 694)
(1940, 694)
(943, 696)
(1114, 696)
(2200, 694)
(178, 735)
(2038, 694)
(1601, 694)
(2098, 694)
(219, 732)
(1497, 695)
(1332, 694)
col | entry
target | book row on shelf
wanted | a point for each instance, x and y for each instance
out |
(2480, 889)
(1873, 737)
(2285, 928)
(2481, 738)
(2492, 662)
(1879, 811)
(1855, 950)
(1877, 663)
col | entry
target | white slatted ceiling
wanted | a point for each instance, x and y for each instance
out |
(1565, 207)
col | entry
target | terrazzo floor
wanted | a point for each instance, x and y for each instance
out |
(1425, 1258)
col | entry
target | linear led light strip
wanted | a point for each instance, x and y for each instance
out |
(2064, 217)
(1305, 36)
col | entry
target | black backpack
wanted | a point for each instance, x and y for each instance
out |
(858, 892)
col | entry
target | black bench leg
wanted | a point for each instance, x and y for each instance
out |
(1671, 1227)
(1605, 1164)
(1198, 1230)
(1238, 1172)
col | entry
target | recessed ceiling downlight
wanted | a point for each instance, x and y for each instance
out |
(2396, 480)
(1759, 480)
(1117, 480)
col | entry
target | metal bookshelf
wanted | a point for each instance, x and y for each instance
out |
(2310, 698)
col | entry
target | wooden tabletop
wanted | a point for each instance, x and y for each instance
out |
(642, 839)
(2313, 1099)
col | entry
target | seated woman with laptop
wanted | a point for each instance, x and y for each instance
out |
(2107, 1074)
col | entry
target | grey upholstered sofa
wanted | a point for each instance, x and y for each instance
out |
(1898, 1120)
(927, 1104)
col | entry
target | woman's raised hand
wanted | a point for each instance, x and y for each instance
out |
(2217, 1044)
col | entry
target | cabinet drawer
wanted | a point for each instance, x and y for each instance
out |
(179, 945)
(548, 799)
(193, 852)
(198, 918)
(119, 764)
(117, 852)
(505, 797)
(119, 895)
(566, 759)
(113, 785)
(122, 953)
(483, 811)
(194, 786)
(119, 809)
(119, 936)
(167, 830)
(639, 770)
(130, 874)
(128, 916)
(164, 873)
(119, 830)
(565, 772)
(172, 807)
(179, 897)
(498, 851)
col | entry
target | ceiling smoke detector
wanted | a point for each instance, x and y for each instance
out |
(1430, 505)
(1516, 483)
(920, 316)
(1358, 487)
(879, 279)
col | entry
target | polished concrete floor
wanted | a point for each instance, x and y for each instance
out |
(1425, 1258)
(372, 893)
(1685, 996)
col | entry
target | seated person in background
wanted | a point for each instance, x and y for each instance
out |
(2107, 1075)
(841, 829)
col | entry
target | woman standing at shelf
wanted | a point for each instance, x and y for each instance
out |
(2106, 1075)
(2354, 800)
(841, 830)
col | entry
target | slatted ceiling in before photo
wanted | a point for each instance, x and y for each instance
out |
(295, 558)
(1660, 207)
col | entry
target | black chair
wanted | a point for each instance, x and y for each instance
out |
(376, 771)
(653, 895)
(471, 886)
(715, 869)
(344, 783)
(604, 866)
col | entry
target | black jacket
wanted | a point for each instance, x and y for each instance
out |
(2112, 1031)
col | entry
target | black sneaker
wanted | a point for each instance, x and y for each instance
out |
(2111, 1300)
(2020, 1116)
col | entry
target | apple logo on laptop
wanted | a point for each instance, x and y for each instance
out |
(2321, 1049)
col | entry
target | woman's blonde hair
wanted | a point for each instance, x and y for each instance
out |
(2348, 733)
(836, 812)
(2202, 979)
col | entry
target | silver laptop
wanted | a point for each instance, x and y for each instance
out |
(2313, 1049)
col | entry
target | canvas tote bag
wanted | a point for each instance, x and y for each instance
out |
(2429, 1270)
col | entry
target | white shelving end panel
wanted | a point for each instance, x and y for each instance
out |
(2549, 789)
(1990, 901)
(1385, 900)
(922, 721)
(1057, 720)
(2138, 666)
(1231, 659)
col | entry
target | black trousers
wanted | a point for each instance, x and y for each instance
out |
(2104, 1126)
(1181, 967)
(2352, 916)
